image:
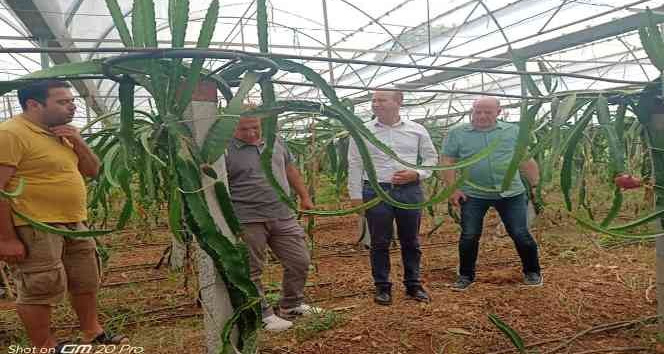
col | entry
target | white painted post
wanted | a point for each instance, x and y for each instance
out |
(177, 256)
(214, 294)
(659, 276)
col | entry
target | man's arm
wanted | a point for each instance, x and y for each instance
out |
(531, 171)
(12, 249)
(295, 180)
(449, 156)
(428, 153)
(88, 162)
(355, 169)
(450, 176)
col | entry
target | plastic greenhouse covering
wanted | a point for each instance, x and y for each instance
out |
(589, 37)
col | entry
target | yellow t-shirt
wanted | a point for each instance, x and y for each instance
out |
(54, 188)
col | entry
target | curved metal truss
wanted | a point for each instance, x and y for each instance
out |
(583, 37)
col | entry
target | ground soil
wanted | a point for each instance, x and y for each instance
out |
(585, 285)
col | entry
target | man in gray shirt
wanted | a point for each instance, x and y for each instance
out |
(267, 221)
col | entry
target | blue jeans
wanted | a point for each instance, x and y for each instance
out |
(380, 220)
(513, 212)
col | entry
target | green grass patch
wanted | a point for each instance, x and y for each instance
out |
(311, 326)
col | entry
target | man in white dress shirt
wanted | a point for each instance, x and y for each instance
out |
(408, 140)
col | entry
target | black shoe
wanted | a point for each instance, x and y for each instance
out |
(533, 279)
(383, 297)
(417, 293)
(462, 284)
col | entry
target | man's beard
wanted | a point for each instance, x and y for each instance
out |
(61, 121)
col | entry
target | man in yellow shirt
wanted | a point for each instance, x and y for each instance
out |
(51, 157)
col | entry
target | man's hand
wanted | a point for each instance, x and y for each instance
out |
(457, 197)
(306, 204)
(12, 250)
(69, 132)
(88, 162)
(533, 192)
(404, 177)
(539, 207)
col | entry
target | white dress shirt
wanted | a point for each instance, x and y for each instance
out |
(407, 139)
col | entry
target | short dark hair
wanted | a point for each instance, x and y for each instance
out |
(38, 91)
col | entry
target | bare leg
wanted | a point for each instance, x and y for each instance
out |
(37, 322)
(85, 306)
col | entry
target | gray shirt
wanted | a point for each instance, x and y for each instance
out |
(254, 199)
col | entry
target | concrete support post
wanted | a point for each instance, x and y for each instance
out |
(213, 292)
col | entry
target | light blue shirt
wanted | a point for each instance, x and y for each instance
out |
(465, 141)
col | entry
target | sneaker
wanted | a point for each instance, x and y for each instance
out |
(301, 310)
(462, 284)
(533, 279)
(275, 323)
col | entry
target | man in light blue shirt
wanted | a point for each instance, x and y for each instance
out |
(408, 140)
(484, 190)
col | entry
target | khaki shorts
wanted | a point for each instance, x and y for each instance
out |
(55, 264)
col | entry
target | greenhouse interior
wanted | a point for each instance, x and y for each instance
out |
(333, 176)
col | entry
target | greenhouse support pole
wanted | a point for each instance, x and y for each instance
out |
(88, 117)
(659, 241)
(659, 252)
(655, 134)
(213, 293)
(45, 60)
(327, 41)
(177, 256)
(9, 109)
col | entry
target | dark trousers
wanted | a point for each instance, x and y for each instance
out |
(380, 220)
(513, 212)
